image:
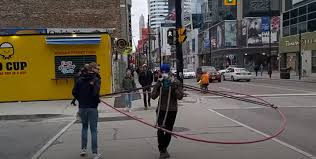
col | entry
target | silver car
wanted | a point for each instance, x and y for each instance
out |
(237, 74)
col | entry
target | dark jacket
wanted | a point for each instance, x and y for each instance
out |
(145, 78)
(128, 83)
(87, 91)
(176, 94)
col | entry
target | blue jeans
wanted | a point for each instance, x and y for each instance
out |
(89, 116)
(128, 100)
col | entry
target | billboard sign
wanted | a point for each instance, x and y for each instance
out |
(230, 34)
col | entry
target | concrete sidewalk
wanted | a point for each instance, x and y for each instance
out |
(293, 77)
(125, 138)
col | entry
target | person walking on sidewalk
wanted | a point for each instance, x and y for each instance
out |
(256, 69)
(261, 69)
(87, 92)
(128, 84)
(145, 78)
(80, 72)
(169, 90)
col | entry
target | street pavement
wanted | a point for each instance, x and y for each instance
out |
(203, 116)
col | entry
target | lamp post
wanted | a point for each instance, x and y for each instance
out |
(270, 52)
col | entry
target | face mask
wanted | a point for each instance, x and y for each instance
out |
(165, 75)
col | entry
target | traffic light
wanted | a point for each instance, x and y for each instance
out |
(171, 37)
(182, 35)
(230, 2)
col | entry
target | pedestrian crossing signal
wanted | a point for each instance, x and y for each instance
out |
(230, 2)
(182, 35)
(171, 37)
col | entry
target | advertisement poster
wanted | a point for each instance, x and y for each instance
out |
(254, 31)
(220, 35)
(230, 33)
(171, 10)
(68, 66)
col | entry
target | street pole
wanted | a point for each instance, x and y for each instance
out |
(270, 49)
(210, 39)
(179, 54)
(149, 44)
(159, 45)
(300, 56)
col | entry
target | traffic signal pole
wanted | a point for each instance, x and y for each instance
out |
(179, 54)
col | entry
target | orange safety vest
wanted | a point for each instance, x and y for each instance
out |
(205, 78)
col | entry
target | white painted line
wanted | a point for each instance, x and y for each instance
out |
(266, 135)
(243, 108)
(38, 154)
(275, 87)
(267, 95)
(228, 89)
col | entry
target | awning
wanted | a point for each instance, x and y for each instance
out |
(73, 40)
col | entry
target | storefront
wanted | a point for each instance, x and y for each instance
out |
(289, 49)
(40, 67)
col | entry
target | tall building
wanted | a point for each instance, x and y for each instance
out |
(141, 25)
(299, 17)
(158, 10)
(162, 10)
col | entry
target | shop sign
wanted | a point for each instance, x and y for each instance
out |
(296, 43)
(10, 66)
(75, 52)
(78, 30)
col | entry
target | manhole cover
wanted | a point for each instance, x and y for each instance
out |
(180, 129)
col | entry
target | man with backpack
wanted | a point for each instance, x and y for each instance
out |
(87, 92)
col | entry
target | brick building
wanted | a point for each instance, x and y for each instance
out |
(68, 14)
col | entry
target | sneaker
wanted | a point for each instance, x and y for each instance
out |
(164, 155)
(96, 156)
(130, 110)
(83, 152)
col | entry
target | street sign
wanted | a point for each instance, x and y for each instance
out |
(231, 57)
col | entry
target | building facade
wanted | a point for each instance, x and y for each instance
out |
(239, 35)
(301, 18)
(105, 14)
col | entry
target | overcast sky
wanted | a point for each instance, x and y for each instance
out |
(139, 7)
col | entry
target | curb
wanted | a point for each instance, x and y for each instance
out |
(31, 116)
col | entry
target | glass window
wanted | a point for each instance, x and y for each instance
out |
(286, 16)
(314, 62)
(294, 13)
(312, 16)
(293, 21)
(302, 18)
(311, 25)
(302, 10)
(302, 27)
(286, 23)
(293, 30)
(286, 31)
(312, 7)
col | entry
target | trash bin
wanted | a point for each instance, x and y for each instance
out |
(285, 73)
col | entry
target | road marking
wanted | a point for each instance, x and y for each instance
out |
(266, 135)
(224, 88)
(267, 95)
(243, 108)
(38, 154)
(275, 87)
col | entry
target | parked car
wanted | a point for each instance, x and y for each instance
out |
(214, 75)
(187, 74)
(237, 74)
(225, 70)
